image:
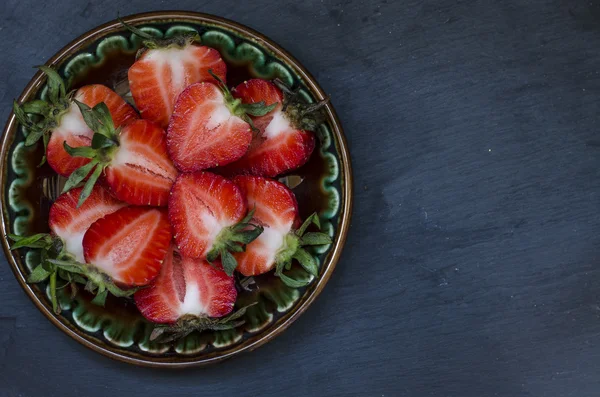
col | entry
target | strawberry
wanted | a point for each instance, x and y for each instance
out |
(61, 120)
(165, 68)
(129, 245)
(276, 211)
(284, 141)
(209, 127)
(188, 295)
(70, 223)
(134, 159)
(207, 215)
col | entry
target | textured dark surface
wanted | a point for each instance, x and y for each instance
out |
(473, 263)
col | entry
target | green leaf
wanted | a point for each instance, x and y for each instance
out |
(34, 241)
(248, 217)
(135, 30)
(103, 115)
(100, 298)
(80, 151)
(290, 282)
(307, 261)
(21, 116)
(315, 238)
(37, 106)
(247, 236)
(212, 255)
(69, 266)
(38, 275)
(88, 116)
(89, 185)
(100, 141)
(228, 261)
(56, 85)
(79, 175)
(34, 135)
(118, 292)
(46, 139)
(259, 108)
(313, 218)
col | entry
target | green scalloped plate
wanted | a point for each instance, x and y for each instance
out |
(118, 330)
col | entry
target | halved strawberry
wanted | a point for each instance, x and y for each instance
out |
(61, 119)
(129, 245)
(186, 286)
(207, 215)
(285, 141)
(70, 223)
(277, 211)
(165, 68)
(141, 172)
(134, 159)
(209, 127)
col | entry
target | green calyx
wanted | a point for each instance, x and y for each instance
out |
(41, 117)
(233, 239)
(105, 143)
(150, 42)
(303, 116)
(293, 249)
(56, 262)
(190, 323)
(240, 109)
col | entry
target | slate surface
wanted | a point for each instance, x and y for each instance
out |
(473, 263)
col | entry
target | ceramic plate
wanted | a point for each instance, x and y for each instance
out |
(323, 185)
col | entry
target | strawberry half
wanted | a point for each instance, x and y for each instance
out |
(186, 286)
(134, 159)
(207, 215)
(209, 127)
(165, 68)
(70, 223)
(284, 141)
(61, 120)
(129, 245)
(276, 211)
(188, 295)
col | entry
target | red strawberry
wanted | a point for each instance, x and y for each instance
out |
(135, 160)
(186, 286)
(165, 68)
(206, 212)
(284, 141)
(141, 172)
(277, 211)
(70, 223)
(62, 120)
(129, 245)
(209, 127)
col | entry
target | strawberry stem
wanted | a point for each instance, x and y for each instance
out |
(233, 239)
(292, 249)
(151, 42)
(190, 323)
(39, 117)
(303, 116)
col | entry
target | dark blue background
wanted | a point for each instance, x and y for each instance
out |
(473, 264)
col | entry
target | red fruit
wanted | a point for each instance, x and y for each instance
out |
(72, 129)
(186, 286)
(70, 223)
(277, 211)
(202, 205)
(129, 245)
(158, 77)
(283, 142)
(207, 129)
(140, 171)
